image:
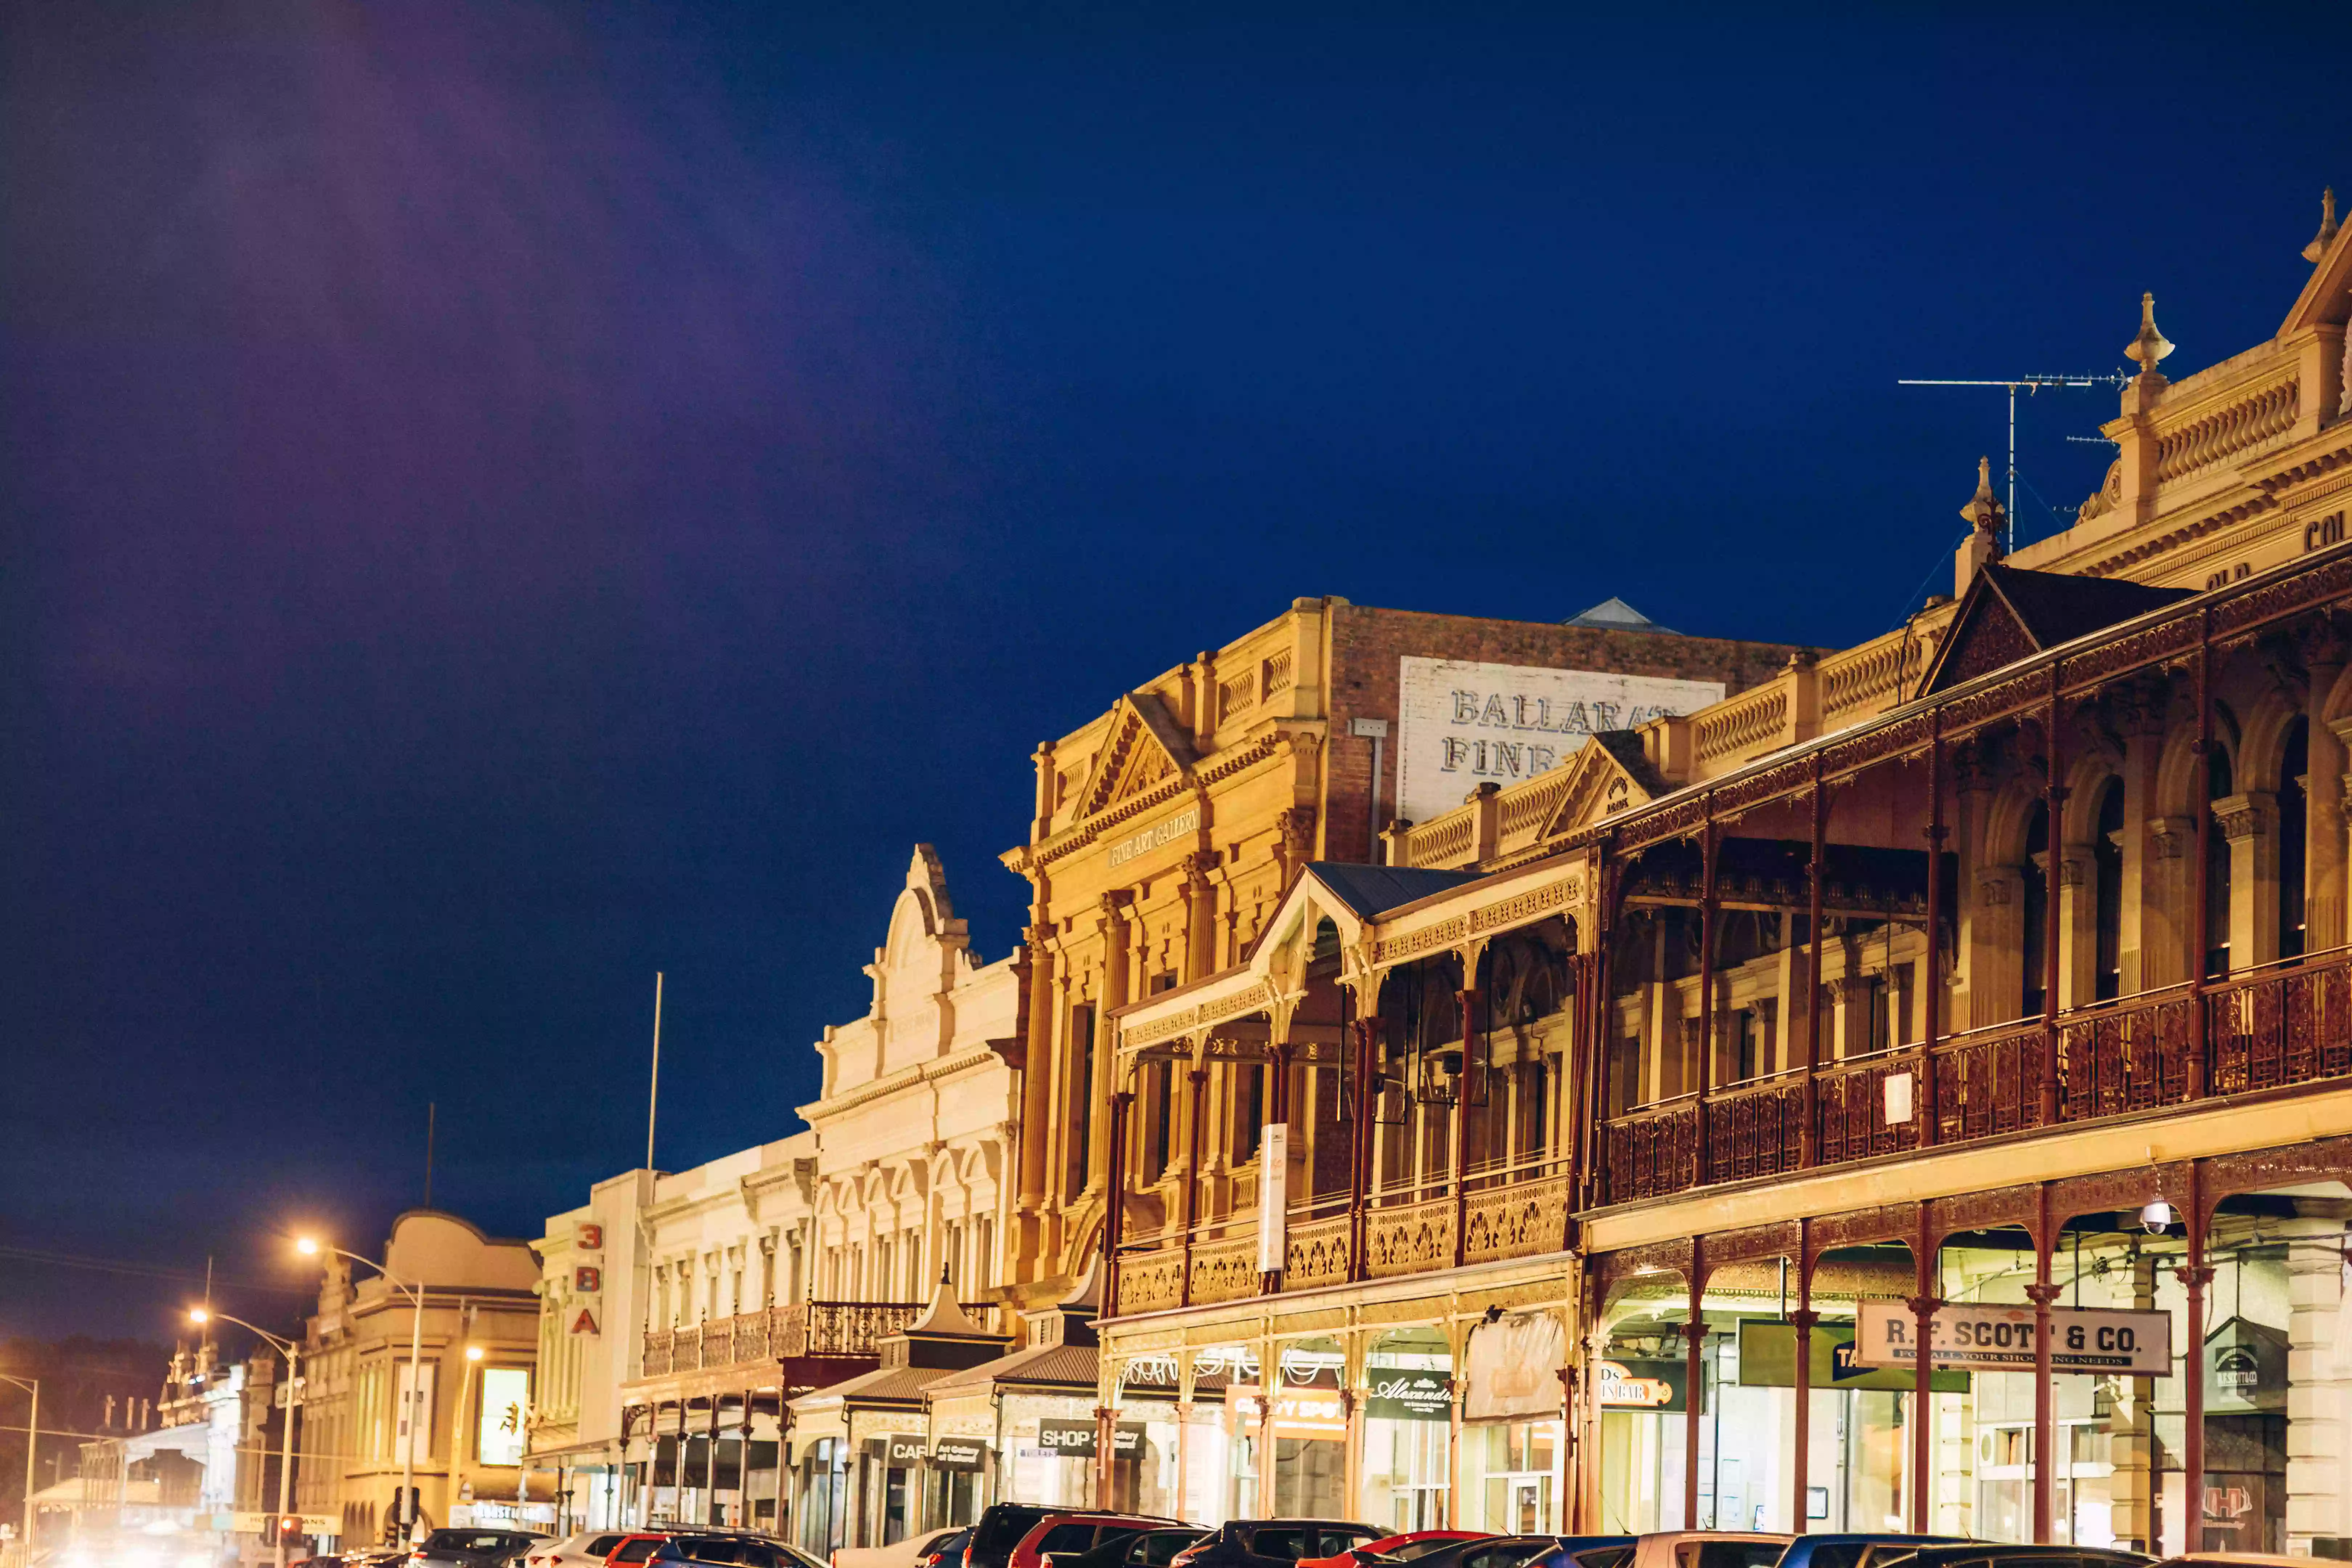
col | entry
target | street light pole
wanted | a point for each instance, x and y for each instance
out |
(32, 1445)
(292, 1353)
(416, 1294)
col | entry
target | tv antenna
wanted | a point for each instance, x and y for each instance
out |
(2033, 383)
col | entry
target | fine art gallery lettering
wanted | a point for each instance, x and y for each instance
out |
(1464, 723)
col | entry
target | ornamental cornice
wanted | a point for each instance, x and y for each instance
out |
(1258, 750)
(904, 1078)
(1250, 998)
(2288, 483)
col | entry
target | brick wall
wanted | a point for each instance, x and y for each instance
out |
(1367, 643)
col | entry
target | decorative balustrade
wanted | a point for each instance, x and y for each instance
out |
(1753, 1127)
(778, 1333)
(1442, 841)
(1410, 1239)
(1734, 730)
(2281, 1026)
(1519, 1220)
(1862, 683)
(1224, 1270)
(1316, 1253)
(2263, 413)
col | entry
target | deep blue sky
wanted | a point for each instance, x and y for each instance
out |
(504, 498)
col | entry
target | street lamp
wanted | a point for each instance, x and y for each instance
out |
(292, 1353)
(32, 1443)
(309, 1248)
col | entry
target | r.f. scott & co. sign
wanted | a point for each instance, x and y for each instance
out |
(2082, 1339)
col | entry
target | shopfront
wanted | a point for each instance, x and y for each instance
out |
(1514, 1447)
(1407, 1401)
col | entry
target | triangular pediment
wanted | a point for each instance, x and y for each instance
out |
(1986, 635)
(2009, 613)
(1601, 784)
(1146, 751)
(2326, 296)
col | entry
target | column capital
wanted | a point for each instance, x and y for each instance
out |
(2044, 1295)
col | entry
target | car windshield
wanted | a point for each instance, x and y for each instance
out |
(636, 1550)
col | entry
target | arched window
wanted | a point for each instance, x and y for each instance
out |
(2108, 894)
(2036, 903)
(2293, 826)
(2219, 784)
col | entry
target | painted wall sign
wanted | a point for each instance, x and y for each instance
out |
(1461, 724)
(1513, 1368)
(1398, 1396)
(1154, 836)
(2083, 1339)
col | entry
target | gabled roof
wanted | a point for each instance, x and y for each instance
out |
(1369, 890)
(1613, 614)
(2009, 613)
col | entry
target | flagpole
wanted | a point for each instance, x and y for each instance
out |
(653, 1090)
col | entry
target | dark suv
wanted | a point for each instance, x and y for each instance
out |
(474, 1549)
(999, 1530)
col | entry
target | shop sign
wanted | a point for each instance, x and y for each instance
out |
(900, 1453)
(1643, 1385)
(1274, 1198)
(1298, 1412)
(2083, 1339)
(1768, 1358)
(1398, 1396)
(1513, 1368)
(2245, 1368)
(958, 1454)
(1075, 1440)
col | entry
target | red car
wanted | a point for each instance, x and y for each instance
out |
(1403, 1548)
(1074, 1532)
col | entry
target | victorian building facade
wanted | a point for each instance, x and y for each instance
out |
(1984, 986)
(682, 1313)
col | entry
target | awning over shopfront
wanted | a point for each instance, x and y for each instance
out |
(942, 1343)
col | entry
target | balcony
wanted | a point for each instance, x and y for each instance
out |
(787, 1333)
(2276, 1028)
(1496, 1214)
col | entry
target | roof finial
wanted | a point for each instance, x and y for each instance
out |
(1984, 510)
(2326, 236)
(2150, 345)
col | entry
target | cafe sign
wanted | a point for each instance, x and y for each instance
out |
(2082, 1339)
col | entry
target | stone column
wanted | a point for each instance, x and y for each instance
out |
(1994, 949)
(2078, 926)
(2249, 820)
(2324, 792)
(1037, 1102)
(2131, 1428)
(2143, 921)
(2318, 1468)
(1981, 916)
(1093, 1117)
(1199, 917)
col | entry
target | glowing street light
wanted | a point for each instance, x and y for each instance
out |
(292, 1353)
(310, 1247)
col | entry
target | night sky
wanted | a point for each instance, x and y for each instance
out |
(501, 498)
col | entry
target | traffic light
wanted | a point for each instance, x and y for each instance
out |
(290, 1525)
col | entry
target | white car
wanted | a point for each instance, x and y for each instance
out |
(589, 1549)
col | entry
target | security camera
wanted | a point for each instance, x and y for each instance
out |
(2156, 1217)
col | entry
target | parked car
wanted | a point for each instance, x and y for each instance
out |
(1504, 1551)
(752, 1548)
(907, 1553)
(1403, 1548)
(1143, 1549)
(998, 1530)
(948, 1552)
(1990, 1554)
(469, 1548)
(1075, 1533)
(1273, 1542)
(1589, 1551)
(1709, 1549)
(1864, 1550)
(587, 1550)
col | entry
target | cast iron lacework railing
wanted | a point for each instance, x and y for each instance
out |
(781, 1333)
(2275, 1028)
